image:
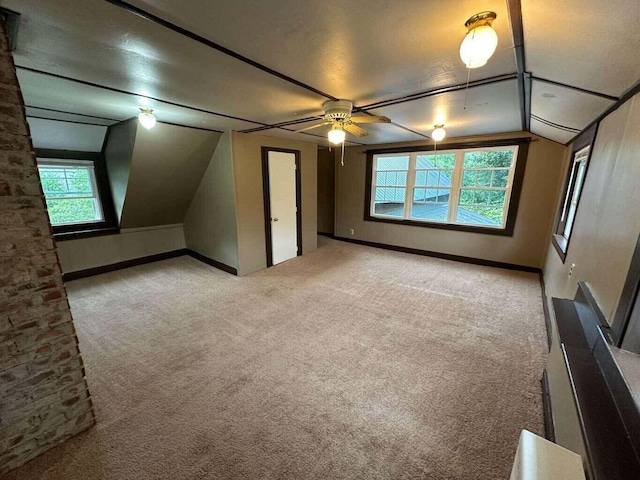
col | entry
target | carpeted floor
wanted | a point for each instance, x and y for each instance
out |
(349, 362)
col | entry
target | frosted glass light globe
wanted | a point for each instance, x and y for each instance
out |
(336, 136)
(438, 134)
(478, 46)
(147, 119)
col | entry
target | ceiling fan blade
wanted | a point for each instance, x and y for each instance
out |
(316, 125)
(368, 119)
(356, 130)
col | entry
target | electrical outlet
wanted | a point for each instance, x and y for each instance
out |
(573, 267)
(352, 231)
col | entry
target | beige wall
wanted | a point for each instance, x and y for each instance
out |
(527, 246)
(129, 244)
(607, 224)
(604, 236)
(166, 168)
(210, 226)
(247, 156)
(326, 190)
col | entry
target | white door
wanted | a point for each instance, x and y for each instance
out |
(282, 191)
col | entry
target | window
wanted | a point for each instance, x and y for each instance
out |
(77, 193)
(576, 176)
(462, 188)
(71, 191)
(578, 171)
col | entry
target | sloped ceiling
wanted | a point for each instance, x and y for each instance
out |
(167, 165)
(57, 135)
(268, 66)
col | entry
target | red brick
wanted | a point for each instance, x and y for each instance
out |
(44, 398)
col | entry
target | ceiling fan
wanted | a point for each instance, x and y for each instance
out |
(337, 113)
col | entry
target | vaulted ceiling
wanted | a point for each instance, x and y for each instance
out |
(268, 66)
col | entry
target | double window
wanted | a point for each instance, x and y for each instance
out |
(76, 192)
(464, 188)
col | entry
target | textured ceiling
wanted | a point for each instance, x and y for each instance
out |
(277, 61)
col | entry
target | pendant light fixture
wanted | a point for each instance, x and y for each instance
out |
(481, 40)
(438, 133)
(146, 118)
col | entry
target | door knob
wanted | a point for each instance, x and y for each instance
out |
(275, 219)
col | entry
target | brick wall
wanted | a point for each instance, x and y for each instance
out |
(43, 394)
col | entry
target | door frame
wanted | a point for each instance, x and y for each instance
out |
(266, 200)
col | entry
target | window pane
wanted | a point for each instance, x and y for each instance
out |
(52, 185)
(430, 204)
(432, 178)
(483, 178)
(393, 163)
(479, 215)
(481, 207)
(500, 178)
(440, 160)
(430, 195)
(570, 218)
(401, 179)
(469, 178)
(389, 201)
(445, 178)
(72, 210)
(489, 159)
(421, 178)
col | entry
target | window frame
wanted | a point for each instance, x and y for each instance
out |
(108, 224)
(583, 141)
(512, 201)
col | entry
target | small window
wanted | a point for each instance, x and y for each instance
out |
(71, 191)
(573, 189)
(77, 192)
(461, 188)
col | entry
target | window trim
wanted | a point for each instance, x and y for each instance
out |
(513, 202)
(559, 242)
(109, 223)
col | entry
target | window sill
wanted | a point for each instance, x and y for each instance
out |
(560, 244)
(77, 234)
(505, 232)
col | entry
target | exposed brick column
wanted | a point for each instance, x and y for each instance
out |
(43, 393)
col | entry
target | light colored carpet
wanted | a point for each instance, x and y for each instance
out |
(349, 362)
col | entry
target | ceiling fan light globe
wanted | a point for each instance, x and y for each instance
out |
(147, 119)
(336, 136)
(478, 46)
(438, 134)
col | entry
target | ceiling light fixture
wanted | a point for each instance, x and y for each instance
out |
(438, 133)
(337, 135)
(147, 118)
(481, 40)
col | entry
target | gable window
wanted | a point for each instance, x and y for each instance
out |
(76, 192)
(573, 189)
(457, 188)
(71, 191)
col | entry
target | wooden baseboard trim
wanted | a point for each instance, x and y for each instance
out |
(324, 234)
(214, 263)
(444, 256)
(549, 430)
(90, 272)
